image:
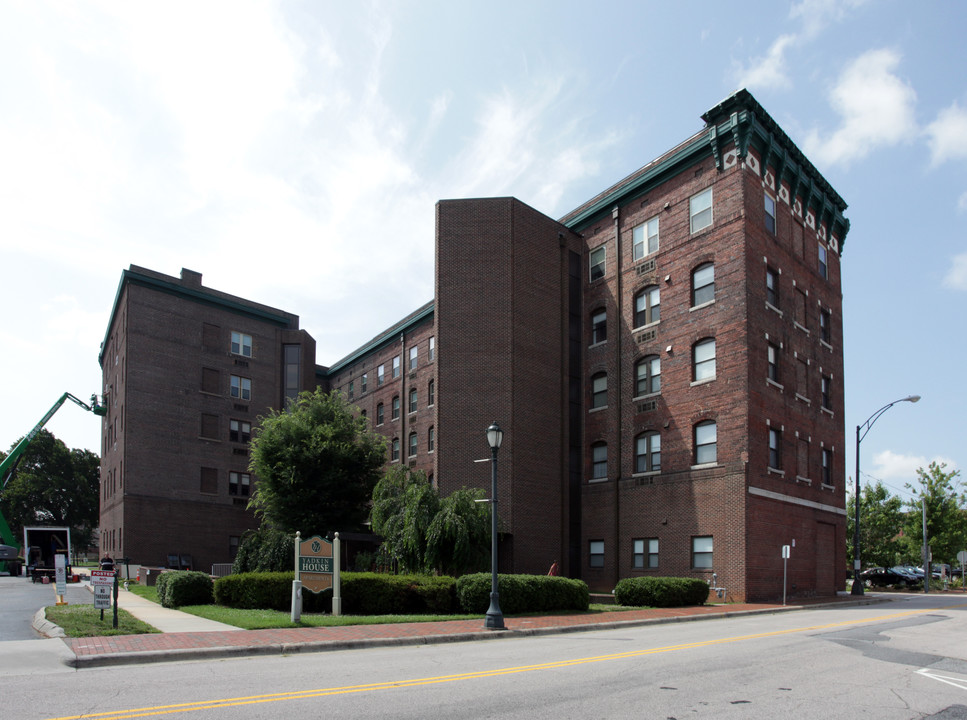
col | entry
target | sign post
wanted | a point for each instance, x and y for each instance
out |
(785, 562)
(103, 582)
(60, 577)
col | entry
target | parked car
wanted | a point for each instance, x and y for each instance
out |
(887, 577)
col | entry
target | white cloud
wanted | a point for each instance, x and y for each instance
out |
(947, 135)
(768, 72)
(876, 108)
(891, 466)
(962, 202)
(956, 277)
(817, 14)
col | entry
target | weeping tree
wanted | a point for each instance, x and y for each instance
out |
(424, 532)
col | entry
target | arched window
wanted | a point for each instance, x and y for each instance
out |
(647, 306)
(648, 452)
(396, 406)
(395, 450)
(648, 376)
(599, 390)
(379, 413)
(430, 440)
(703, 284)
(599, 326)
(599, 461)
(703, 360)
(706, 440)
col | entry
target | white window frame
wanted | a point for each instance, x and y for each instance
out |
(823, 262)
(596, 553)
(645, 554)
(597, 264)
(651, 454)
(645, 238)
(650, 297)
(241, 387)
(707, 282)
(705, 442)
(770, 208)
(703, 363)
(414, 355)
(698, 205)
(703, 547)
(241, 344)
(599, 461)
(652, 375)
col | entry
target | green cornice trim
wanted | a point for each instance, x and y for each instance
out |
(741, 121)
(391, 335)
(199, 295)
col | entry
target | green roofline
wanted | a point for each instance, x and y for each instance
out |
(741, 121)
(203, 295)
(384, 338)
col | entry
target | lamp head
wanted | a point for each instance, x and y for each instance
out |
(912, 398)
(495, 436)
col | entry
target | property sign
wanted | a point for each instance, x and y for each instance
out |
(60, 573)
(315, 564)
(103, 583)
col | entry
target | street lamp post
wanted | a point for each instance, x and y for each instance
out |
(495, 618)
(860, 434)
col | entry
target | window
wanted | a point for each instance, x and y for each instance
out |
(800, 310)
(772, 287)
(380, 375)
(396, 366)
(702, 553)
(599, 326)
(704, 360)
(395, 450)
(597, 263)
(241, 387)
(599, 391)
(379, 413)
(599, 461)
(648, 376)
(706, 440)
(413, 355)
(700, 210)
(413, 404)
(363, 380)
(241, 344)
(209, 426)
(645, 553)
(596, 553)
(825, 332)
(412, 444)
(645, 239)
(770, 214)
(823, 267)
(647, 306)
(239, 484)
(396, 407)
(802, 377)
(703, 284)
(430, 440)
(352, 392)
(430, 393)
(827, 456)
(802, 457)
(648, 452)
(209, 481)
(210, 380)
(291, 372)
(431, 353)
(239, 431)
(827, 382)
(773, 363)
(775, 448)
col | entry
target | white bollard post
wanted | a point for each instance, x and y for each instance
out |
(296, 614)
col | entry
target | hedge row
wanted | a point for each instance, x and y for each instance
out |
(184, 587)
(661, 592)
(522, 593)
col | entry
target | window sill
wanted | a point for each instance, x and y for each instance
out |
(828, 411)
(826, 345)
(593, 481)
(770, 381)
(597, 409)
(649, 473)
(770, 306)
(800, 327)
(637, 398)
(693, 308)
(803, 399)
(776, 471)
(703, 466)
(597, 344)
(646, 326)
(824, 486)
(803, 480)
(704, 381)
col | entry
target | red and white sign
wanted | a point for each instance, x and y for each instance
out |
(102, 577)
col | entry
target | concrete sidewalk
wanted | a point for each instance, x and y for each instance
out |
(186, 637)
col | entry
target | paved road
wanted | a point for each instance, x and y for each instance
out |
(902, 659)
(20, 599)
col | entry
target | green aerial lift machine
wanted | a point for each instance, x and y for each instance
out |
(9, 465)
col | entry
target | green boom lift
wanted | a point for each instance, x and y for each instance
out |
(9, 463)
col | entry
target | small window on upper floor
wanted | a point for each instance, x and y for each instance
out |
(706, 442)
(412, 444)
(379, 413)
(599, 390)
(363, 379)
(599, 326)
(648, 452)
(773, 358)
(430, 393)
(413, 401)
(241, 387)
(239, 431)
(648, 376)
(380, 375)
(597, 260)
(413, 357)
(647, 306)
(770, 213)
(395, 407)
(431, 350)
(396, 366)
(825, 331)
(700, 210)
(703, 284)
(827, 384)
(645, 239)
(703, 360)
(823, 267)
(775, 449)
(827, 457)
(241, 344)
(599, 461)
(772, 287)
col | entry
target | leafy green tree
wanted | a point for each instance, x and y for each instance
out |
(423, 532)
(54, 485)
(946, 519)
(881, 527)
(316, 464)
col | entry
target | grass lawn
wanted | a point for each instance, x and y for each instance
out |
(85, 621)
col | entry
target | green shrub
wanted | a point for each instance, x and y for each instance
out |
(184, 587)
(661, 592)
(522, 593)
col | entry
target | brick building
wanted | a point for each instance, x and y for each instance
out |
(666, 362)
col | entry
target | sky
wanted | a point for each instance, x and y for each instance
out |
(292, 152)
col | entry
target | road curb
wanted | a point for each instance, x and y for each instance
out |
(282, 649)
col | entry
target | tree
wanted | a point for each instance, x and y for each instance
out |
(423, 532)
(54, 486)
(881, 527)
(316, 464)
(946, 519)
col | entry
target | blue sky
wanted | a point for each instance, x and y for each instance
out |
(293, 152)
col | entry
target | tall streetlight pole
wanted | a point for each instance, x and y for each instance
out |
(860, 434)
(495, 618)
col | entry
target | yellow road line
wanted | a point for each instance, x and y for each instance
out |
(416, 682)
